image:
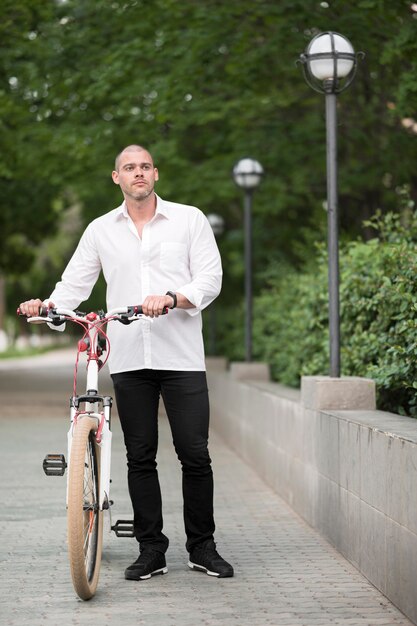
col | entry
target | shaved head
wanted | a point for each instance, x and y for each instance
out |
(135, 173)
(132, 148)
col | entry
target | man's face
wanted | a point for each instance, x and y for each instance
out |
(136, 174)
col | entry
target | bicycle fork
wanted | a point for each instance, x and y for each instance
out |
(103, 438)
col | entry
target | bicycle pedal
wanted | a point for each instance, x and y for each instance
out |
(123, 528)
(54, 465)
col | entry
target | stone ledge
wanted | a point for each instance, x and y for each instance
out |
(345, 393)
(216, 363)
(249, 371)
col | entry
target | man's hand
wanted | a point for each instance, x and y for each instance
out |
(153, 306)
(31, 308)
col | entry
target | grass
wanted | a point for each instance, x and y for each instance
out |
(12, 353)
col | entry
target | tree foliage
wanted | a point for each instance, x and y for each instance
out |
(28, 207)
(202, 84)
(213, 81)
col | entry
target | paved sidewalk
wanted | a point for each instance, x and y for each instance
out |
(285, 573)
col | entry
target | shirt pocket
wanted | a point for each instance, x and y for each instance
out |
(173, 256)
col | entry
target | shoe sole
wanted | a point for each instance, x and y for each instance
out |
(200, 568)
(133, 576)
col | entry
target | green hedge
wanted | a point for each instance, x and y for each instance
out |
(378, 297)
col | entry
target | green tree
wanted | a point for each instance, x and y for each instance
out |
(28, 209)
(205, 83)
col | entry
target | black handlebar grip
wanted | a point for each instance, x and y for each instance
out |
(136, 309)
(43, 312)
(139, 311)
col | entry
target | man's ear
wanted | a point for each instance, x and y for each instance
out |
(115, 177)
(156, 173)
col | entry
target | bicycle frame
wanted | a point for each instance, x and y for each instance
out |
(92, 323)
(103, 434)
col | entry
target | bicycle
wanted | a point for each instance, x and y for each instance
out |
(89, 447)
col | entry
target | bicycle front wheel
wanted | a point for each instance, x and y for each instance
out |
(85, 520)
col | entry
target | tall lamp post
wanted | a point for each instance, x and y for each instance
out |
(247, 174)
(329, 65)
(217, 225)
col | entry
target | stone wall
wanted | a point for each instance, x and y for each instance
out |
(352, 475)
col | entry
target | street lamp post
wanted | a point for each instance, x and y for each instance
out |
(247, 174)
(217, 225)
(329, 64)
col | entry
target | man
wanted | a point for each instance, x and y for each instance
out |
(162, 254)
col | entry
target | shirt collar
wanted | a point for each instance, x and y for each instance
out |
(161, 209)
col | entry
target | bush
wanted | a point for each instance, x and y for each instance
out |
(290, 322)
(378, 296)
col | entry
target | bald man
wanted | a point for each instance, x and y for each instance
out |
(162, 254)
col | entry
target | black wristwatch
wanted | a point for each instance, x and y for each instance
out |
(173, 296)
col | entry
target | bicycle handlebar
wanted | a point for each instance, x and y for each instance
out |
(57, 316)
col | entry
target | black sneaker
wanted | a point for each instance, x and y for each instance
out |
(149, 563)
(205, 558)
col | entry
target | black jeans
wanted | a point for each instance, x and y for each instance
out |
(185, 397)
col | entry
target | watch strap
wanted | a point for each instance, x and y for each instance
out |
(174, 297)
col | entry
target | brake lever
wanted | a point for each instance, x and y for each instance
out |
(134, 312)
(56, 320)
(124, 319)
(52, 316)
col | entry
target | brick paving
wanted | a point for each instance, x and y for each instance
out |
(285, 573)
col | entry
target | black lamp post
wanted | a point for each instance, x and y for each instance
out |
(329, 65)
(217, 225)
(247, 174)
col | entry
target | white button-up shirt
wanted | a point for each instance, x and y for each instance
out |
(177, 252)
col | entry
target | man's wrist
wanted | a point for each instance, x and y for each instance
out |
(173, 295)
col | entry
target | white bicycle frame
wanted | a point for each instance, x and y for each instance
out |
(91, 409)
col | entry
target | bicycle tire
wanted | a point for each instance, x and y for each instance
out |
(85, 520)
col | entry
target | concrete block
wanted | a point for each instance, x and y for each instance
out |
(374, 468)
(328, 507)
(281, 480)
(291, 430)
(249, 371)
(327, 450)
(349, 392)
(372, 560)
(309, 420)
(350, 456)
(401, 482)
(401, 557)
(350, 539)
(259, 411)
(216, 363)
(302, 482)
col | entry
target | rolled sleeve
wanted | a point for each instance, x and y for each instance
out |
(205, 266)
